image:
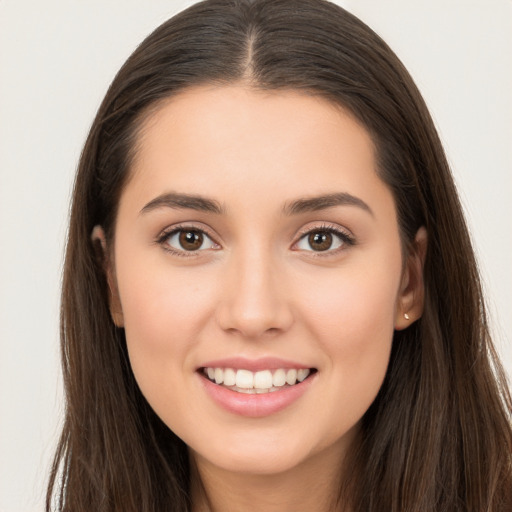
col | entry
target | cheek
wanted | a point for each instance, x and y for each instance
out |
(353, 320)
(163, 315)
(355, 306)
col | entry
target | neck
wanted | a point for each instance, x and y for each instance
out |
(313, 485)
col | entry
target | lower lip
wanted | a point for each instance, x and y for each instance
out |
(257, 405)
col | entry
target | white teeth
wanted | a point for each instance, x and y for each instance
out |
(302, 374)
(291, 377)
(263, 381)
(279, 378)
(253, 391)
(219, 375)
(244, 379)
(229, 377)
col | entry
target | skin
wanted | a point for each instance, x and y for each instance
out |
(259, 288)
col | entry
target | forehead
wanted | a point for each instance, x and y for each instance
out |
(244, 143)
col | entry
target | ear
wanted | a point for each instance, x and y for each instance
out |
(114, 303)
(412, 290)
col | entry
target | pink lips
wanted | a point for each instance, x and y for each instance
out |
(254, 405)
(253, 365)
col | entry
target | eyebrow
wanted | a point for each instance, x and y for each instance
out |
(313, 204)
(183, 201)
(176, 200)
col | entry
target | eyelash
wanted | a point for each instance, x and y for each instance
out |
(168, 233)
(346, 239)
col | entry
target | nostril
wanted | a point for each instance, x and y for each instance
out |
(254, 310)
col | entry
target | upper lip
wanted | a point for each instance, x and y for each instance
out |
(254, 365)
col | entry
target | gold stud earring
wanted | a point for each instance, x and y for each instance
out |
(406, 316)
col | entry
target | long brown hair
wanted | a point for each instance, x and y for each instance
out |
(438, 436)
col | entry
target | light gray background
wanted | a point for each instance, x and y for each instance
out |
(57, 58)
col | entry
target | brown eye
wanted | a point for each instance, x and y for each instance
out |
(188, 240)
(326, 240)
(191, 240)
(320, 240)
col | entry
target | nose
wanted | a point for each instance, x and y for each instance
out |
(255, 301)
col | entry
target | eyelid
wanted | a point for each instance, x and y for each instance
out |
(342, 233)
(167, 232)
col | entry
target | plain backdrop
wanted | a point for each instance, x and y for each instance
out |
(57, 58)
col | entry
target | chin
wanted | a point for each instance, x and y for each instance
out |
(257, 459)
(270, 452)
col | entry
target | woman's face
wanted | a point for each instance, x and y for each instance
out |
(259, 275)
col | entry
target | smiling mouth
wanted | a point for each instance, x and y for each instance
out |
(264, 381)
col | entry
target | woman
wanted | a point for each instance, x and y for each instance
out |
(270, 298)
